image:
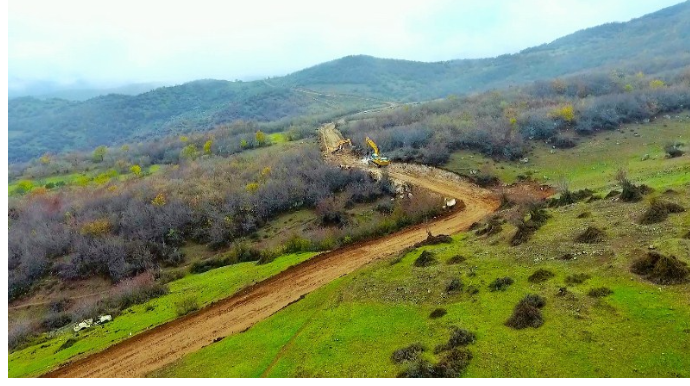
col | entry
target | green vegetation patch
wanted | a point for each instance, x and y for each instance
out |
(205, 288)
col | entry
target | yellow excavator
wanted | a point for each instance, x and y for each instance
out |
(376, 158)
(340, 145)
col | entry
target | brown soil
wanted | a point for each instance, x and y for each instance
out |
(152, 349)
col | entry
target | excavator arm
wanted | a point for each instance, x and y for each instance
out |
(376, 158)
(373, 146)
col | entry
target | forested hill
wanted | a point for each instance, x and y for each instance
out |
(56, 125)
(653, 43)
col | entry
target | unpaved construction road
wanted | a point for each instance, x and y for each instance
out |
(150, 350)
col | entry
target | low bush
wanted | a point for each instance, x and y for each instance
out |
(526, 228)
(577, 278)
(524, 232)
(166, 277)
(492, 227)
(407, 354)
(425, 259)
(591, 235)
(541, 275)
(186, 305)
(209, 264)
(420, 368)
(67, 344)
(564, 143)
(452, 364)
(500, 284)
(567, 257)
(658, 211)
(534, 300)
(434, 240)
(57, 320)
(460, 337)
(457, 259)
(438, 313)
(661, 269)
(631, 192)
(486, 180)
(385, 207)
(599, 292)
(131, 292)
(674, 149)
(455, 285)
(567, 198)
(527, 313)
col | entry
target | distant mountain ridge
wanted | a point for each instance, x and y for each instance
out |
(652, 43)
(79, 91)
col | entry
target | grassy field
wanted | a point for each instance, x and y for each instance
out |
(594, 161)
(352, 326)
(205, 288)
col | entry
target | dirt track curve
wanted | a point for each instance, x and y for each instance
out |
(152, 349)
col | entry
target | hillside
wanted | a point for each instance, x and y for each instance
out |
(56, 125)
(653, 43)
(78, 91)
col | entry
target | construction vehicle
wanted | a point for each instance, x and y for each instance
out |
(340, 144)
(376, 158)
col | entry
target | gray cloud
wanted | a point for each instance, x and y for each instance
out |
(140, 41)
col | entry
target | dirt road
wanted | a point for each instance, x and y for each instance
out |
(165, 344)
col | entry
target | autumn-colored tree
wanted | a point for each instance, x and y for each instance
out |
(38, 191)
(260, 138)
(189, 152)
(184, 139)
(125, 148)
(98, 227)
(81, 180)
(99, 153)
(24, 186)
(244, 144)
(45, 159)
(657, 84)
(207, 147)
(136, 170)
(105, 177)
(252, 187)
(159, 200)
(565, 112)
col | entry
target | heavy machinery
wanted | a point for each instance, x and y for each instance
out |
(376, 158)
(339, 146)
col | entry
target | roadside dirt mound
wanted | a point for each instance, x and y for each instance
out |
(165, 344)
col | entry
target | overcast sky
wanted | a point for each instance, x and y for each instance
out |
(175, 41)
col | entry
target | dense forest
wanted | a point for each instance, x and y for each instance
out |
(655, 43)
